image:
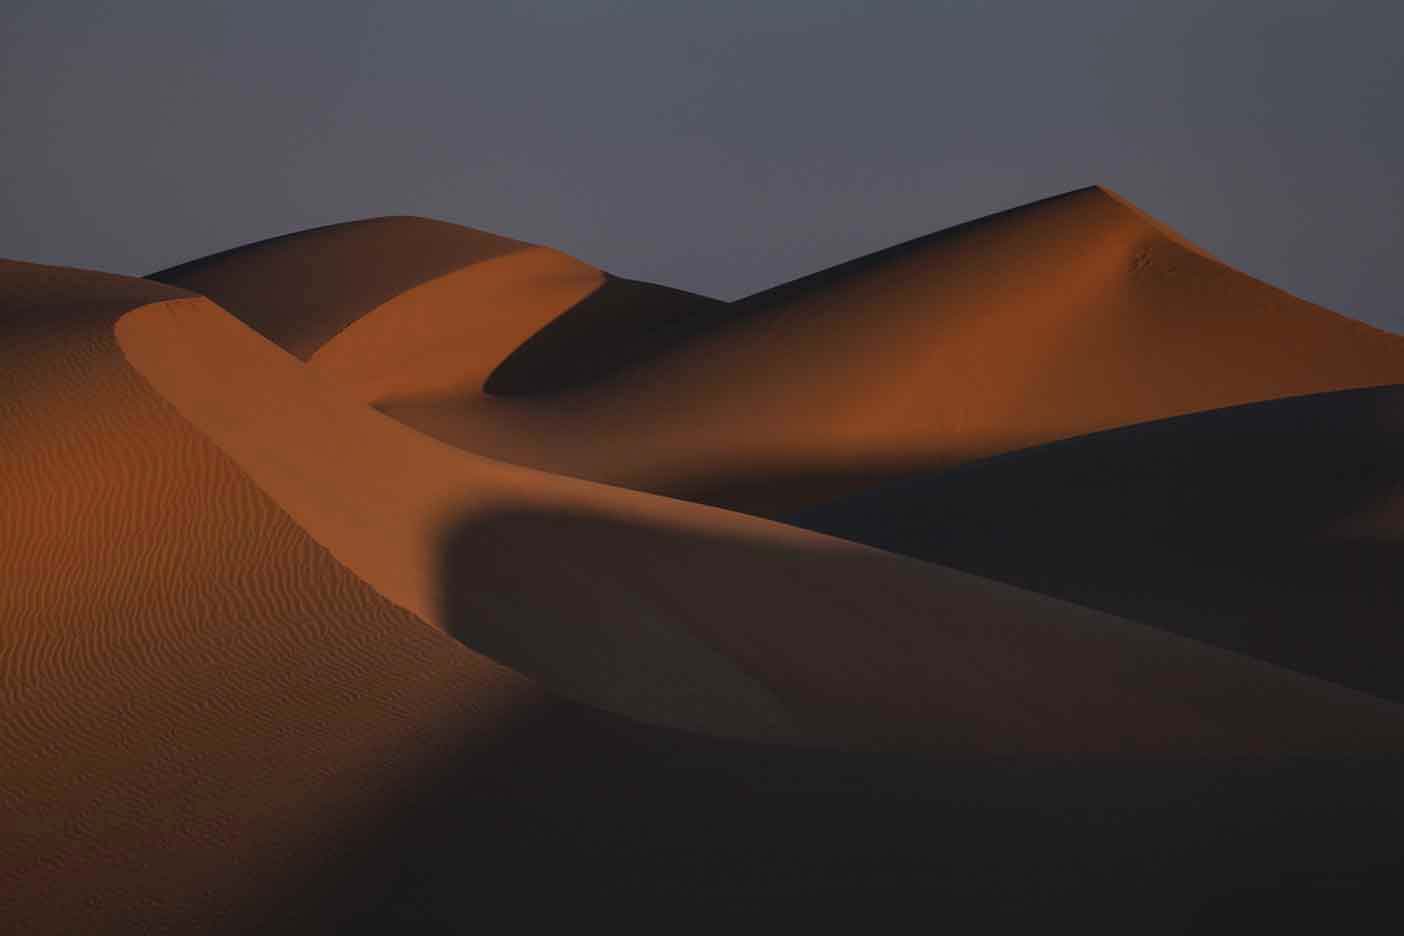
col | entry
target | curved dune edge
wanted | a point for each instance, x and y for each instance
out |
(448, 334)
(618, 327)
(728, 613)
(203, 710)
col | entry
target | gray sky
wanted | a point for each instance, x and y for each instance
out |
(721, 147)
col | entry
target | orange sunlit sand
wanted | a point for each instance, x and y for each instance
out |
(325, 544)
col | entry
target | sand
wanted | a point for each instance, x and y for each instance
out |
(608, 595)
(202, 708)
(1071, 315)
(1271, 528)
(358, 576)
(1065, 317)
(341, 272)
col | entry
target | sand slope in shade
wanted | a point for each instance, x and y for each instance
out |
(202, 709)
(1273, 528)
(706, 620)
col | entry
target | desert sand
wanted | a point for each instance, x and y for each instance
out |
(200, 704)
(357, 575)
(1271, 528)
(1065, 317)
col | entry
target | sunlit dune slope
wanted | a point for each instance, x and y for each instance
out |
(1064, 317)
(300, 289)
(1274, 528)
(698, 618)
(202, 710)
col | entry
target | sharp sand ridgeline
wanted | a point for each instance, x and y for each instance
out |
(355, 576)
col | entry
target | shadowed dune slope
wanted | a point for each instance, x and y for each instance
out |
(623, 324)
(202, 710)
(884, 651)
(1068, 316)
(1276, 528)
(612, 596)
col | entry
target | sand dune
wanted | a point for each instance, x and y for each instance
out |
(397, 309)
(201, 707)
(609, 596)
(1273, 528)
(317, 613)
(1068, 316)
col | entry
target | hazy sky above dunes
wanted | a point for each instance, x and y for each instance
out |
(721, 147)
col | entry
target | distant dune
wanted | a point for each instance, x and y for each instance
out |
(356, 577)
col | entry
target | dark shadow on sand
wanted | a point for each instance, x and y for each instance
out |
(618, 326)
(1274, 529)
(593, 813)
